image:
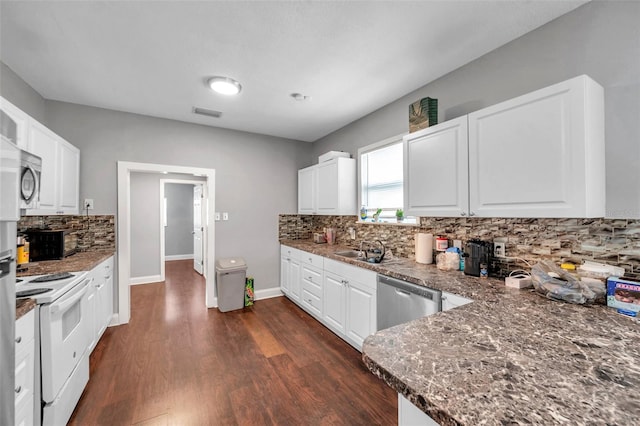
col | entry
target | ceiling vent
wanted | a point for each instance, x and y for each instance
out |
(207, 112)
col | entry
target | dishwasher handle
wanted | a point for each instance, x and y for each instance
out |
(426, 292)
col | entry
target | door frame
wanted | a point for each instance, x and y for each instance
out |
(125, 168)
(163, 218)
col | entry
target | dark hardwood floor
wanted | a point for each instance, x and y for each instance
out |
(178, 363)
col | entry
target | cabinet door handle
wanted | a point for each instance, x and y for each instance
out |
(18, 389)
(463, 213)
(472, 214)
(310, 279)
(18, 339)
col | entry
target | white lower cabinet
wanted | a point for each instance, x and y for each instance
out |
(290, 272)
(339, 295)
(24, 369)
(335, 295)
(350, 301)
(100, 300)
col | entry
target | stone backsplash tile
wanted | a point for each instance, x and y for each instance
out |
(611, 241)
(94, 232)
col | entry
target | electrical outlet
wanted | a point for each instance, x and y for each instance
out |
(499, 249)
(225, 216)
(217, 216)
(88, 204)
(352, 233)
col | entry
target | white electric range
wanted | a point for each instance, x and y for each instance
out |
(62, 340)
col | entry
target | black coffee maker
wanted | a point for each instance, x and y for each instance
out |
(476, 253)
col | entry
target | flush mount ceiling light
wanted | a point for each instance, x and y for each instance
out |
(224, 85)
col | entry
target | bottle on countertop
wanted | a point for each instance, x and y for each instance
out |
(363, 213)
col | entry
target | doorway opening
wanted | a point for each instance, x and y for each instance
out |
(182, 228)
(124, 231)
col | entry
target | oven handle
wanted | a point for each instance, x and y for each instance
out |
(70, 299)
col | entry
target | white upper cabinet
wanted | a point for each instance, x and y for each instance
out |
(541, 154)
(60, 176)
(59, 190)
(436, 170)
(20, 118)
(328, 188)
(307, 190)
(538, 155)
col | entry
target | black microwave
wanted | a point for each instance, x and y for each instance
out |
(48, 244)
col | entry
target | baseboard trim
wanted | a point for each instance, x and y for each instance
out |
(268, 293)
(178, 257)
(145, 280)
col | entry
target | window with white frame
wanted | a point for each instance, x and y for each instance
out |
(381, 180)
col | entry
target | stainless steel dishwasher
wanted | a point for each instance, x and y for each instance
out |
(400, 301)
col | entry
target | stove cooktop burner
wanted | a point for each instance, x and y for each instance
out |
(31, 292)
(52, 277)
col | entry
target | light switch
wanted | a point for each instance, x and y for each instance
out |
(225, 216)
(217, 216)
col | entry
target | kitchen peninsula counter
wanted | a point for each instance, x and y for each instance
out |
(82, 261)
(510, 357)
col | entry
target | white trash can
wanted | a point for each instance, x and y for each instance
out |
(231, 276)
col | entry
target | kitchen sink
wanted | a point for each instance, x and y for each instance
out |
(353, 254)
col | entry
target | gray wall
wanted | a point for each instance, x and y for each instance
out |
(600, 39)
(255, 174)
(145, 225)
(19, 93)
(178, 237)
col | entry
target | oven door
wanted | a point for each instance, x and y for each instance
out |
(64, 338)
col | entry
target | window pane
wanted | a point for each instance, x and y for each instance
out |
(382, 177)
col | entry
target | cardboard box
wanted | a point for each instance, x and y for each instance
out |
(331, 155)
(624, 296)
(422, 114)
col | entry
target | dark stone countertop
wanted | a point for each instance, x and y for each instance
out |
(82, 261)
(23, 307)
(510, 357)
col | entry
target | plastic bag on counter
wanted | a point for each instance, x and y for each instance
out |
(556, 283)
(448, 261)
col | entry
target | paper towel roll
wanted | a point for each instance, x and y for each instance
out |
(424, 248)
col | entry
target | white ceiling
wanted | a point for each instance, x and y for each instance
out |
(351, 57)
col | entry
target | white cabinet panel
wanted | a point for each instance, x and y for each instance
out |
(540, 154)
(328, 202)
(361, 312)
(307, 190)
(43, 143)
(334, 287)
(69, 177)
(25, 350)
(436, 170)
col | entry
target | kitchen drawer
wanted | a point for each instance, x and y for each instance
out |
(25, 329)
(312, 302)
(314, 288)
(312, 259)
(290, 252)
(311, 274)
(24, 375)
(352, 273)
